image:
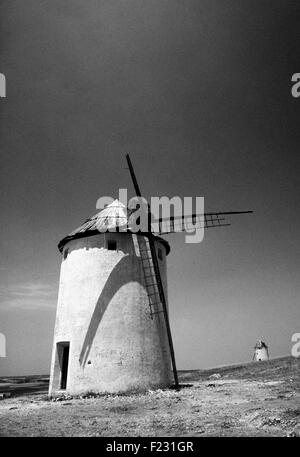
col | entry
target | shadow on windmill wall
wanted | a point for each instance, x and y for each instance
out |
(120, 275)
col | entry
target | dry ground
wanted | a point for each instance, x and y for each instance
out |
(256, 399)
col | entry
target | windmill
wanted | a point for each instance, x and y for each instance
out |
(112, 331)
(261, 351)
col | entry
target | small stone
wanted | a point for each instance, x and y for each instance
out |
(4, 395)
(215, 376)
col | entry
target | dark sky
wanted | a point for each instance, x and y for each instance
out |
(199, 93)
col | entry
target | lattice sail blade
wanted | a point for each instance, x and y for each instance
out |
(186, 223)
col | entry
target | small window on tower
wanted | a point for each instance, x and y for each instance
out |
(159, 253)
(111, 245)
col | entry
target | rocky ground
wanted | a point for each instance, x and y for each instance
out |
(256, 399)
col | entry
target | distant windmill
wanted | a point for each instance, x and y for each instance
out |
(261, 351)
(112, 330)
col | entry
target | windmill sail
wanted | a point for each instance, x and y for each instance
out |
(152, 257)
(186, 223)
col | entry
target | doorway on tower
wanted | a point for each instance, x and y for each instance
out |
(63, 350)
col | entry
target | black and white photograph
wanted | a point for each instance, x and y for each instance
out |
(150, 248)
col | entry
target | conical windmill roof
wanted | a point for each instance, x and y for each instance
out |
(113, 216)
(260, 345)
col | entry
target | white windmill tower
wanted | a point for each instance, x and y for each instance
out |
(112, 331)
(261, 351)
